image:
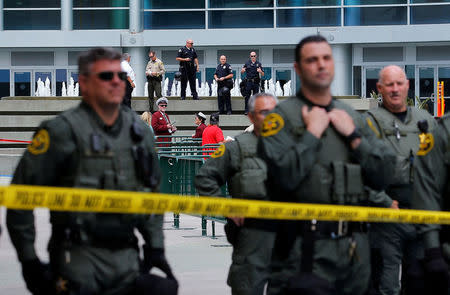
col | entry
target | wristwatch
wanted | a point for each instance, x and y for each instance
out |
(354, 135)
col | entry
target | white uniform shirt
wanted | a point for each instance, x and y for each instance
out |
(127, 68)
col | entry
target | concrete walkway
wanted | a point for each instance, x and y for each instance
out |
(199, 263)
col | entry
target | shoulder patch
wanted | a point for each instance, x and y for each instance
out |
(374, 129)
(426, 143)
(272, 124)
(40, 143)
(179, 50)
(219, 152)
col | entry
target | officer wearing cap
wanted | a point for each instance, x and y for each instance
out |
(224, 78)
(187, 56)
(394, 245)
(98, 145)
(320, 150)
(237, 164)
(253, 70)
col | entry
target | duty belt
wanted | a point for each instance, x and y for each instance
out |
(254, 80)
(332, 229)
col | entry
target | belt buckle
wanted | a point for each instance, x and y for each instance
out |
(342, 228)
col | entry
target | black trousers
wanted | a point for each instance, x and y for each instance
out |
(224, 101)
(188, 75)
(251, 89)
(127, 98)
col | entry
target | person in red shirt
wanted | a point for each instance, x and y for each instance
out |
(161, 122)
(199, 120)
(212, 133)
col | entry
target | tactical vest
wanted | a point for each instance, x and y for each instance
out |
(403, 137)
(333, 179)
(249, 181)
(105, 162)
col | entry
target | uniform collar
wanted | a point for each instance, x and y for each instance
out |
(113, 130)
(303, 98)
(408, 116)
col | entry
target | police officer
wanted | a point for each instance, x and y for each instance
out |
(253, 70)
(99, 145)
(396, 244)
(224, 78)
(320, 150)
(154, 72)
(237, 164)
(431, 192)
(131, 77)
(187, 56)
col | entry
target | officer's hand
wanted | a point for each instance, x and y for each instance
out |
(187, 59)
(38, 277)
(394, 204)
(133, 85)
(242, 70)
(259, 70)
(174, 128)
(221, 79)
(154, 257)
(436, 270)
(342, 121)
(239, 221)
(316, 120)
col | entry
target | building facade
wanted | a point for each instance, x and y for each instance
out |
(42, 39)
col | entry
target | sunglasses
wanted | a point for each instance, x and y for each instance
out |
(163, 105)
(108, 76)
(252, 55)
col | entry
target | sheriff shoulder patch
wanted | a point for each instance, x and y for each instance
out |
(426, 143)
(272, 124)
(40, 143)
(219, 152)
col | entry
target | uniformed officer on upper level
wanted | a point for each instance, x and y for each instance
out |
(224, 78)
(253, 69)
(154, 71)
(187, 56)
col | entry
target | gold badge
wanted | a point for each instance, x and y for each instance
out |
(374, 129)
(40, 143)
(272, 124)
(426, 143)
(61, 285)
(219, 152)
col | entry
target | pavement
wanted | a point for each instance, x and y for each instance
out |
(199, 263)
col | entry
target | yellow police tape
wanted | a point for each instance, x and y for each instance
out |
(89, 200)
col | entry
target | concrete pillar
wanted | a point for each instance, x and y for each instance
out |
(1, 15)
(342, 84)
(139, 59)
(66, 15)
(136, 16)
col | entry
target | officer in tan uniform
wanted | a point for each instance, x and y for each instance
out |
(154, 72)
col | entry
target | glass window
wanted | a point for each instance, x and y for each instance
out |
(32, 4)
(43, 76)
(411, 76)
(61, 76)
(168, 57)
(4, 83)
(309, 17)
(73, 57)
(444, 76)
(236, 56)
(173, 4)
(372, 2)
(32, 20)
(431, 53)
(283, 56)
(435, 14)
(32, 58)
(372, 16)
(174, 20)
(426, 87)
(371, 81)
(267, 73)
(290, 3)
(382, 54)
(357, 80)
(241, 19)
(429, 1)
(22, 83)
(101, 3)
(283, 76)
(240, 3)
(100, 19)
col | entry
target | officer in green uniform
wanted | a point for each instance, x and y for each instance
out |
(237, 164)
(431, 192)
(396, 244)
(320, 150)
(98, 145)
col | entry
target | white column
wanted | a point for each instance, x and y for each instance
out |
(135, 16)
(1, 15)
(342, 84)
(138, 62)
(66, 15)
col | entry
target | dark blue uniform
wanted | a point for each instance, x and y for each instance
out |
(224, 97)
(188, 71)
(253, 80)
